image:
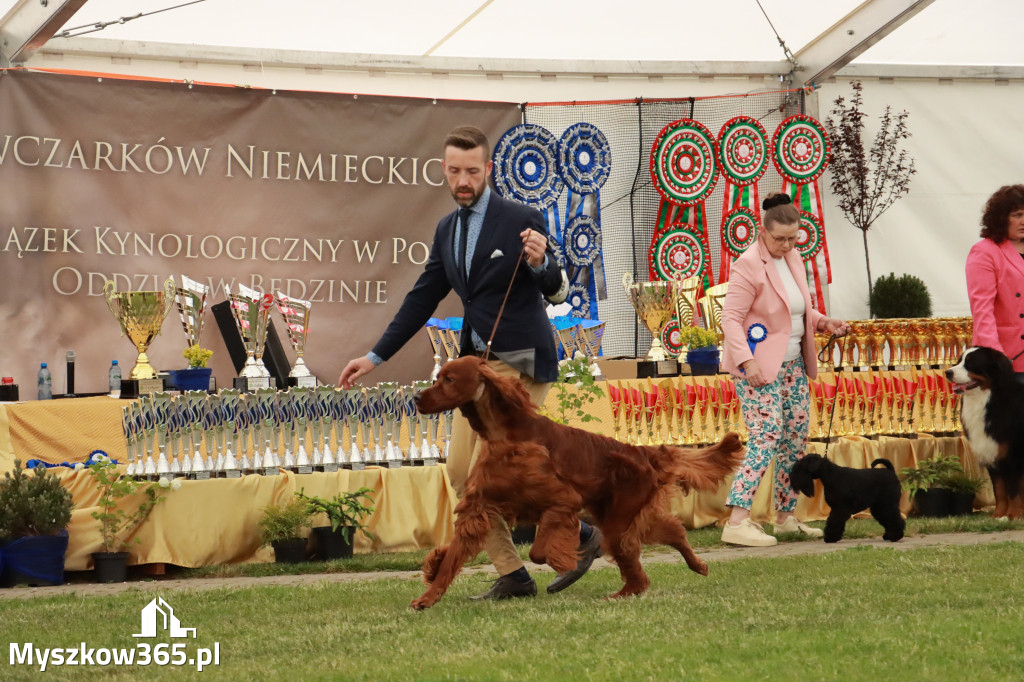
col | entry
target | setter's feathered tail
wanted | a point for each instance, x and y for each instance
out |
(693, 469)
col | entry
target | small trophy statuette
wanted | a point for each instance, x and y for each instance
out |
(251, 311)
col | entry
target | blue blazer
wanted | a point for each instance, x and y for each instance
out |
(523, 339)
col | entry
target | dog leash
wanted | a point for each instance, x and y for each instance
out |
(501, 310)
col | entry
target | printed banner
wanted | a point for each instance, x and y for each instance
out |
(328, 198)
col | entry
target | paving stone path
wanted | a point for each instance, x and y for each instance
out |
(710, 555)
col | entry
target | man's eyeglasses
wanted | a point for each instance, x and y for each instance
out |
(781, 241)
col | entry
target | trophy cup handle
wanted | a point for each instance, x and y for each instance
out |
(169, 291)
(109, 295)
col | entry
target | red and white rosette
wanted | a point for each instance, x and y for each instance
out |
(739, 232)
(743, 152)
(684, 162)
(800, 151)
(671, 338)
(677, 253)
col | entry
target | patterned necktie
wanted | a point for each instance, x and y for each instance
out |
(463, 235)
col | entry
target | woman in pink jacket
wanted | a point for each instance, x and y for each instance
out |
(769, 327)
(995, 276)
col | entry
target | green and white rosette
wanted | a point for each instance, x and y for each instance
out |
(743, 152)
(584, 162)
(800, 152)
(684, 168)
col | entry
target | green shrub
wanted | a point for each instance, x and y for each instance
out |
(284, 521)
(32, 504)
(903, 296)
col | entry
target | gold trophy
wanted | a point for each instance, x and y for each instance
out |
(711, 308)
(251, 310)
(685, 293)
(141, 315)
(295, 312)
(437, 344)
(654, 305)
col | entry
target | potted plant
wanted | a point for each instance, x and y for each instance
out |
(703, 354)
(197, 376)
(35, 510)
(281, 526)
(116, 524)
(965, 488)
(927, 485)
(345, 512)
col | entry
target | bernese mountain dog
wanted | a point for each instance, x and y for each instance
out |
(992, 414)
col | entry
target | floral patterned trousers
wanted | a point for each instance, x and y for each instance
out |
(777, 416)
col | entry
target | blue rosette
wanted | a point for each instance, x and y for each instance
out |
(526, 166)
(579, 299)
(756, 333)
(582, 240)
(584, 158)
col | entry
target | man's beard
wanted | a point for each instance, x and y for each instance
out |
(472, 200)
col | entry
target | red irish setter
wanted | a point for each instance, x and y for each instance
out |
(532, 470)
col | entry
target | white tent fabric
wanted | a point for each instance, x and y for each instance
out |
(957, 67)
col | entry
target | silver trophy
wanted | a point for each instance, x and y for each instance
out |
(391, 419)
(325, 397)
(193, 404)
(295, 312)
(355, 410)
(265, 398)
(339, 418)
(251, 310)
(230, 405)
(161, 417)
(128, 428)
(284, 429)
(213, 465)
(375, 416)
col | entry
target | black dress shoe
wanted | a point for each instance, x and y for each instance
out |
(506, 587)
(589, 550)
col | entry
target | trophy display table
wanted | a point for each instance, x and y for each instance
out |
(215, 521)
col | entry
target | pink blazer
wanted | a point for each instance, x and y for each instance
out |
(756, 294)
(995, 287)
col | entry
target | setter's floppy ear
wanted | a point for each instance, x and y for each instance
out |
(507, 395)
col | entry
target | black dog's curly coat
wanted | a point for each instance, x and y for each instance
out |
(848, 491)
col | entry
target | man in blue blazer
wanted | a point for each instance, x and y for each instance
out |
(488, 233)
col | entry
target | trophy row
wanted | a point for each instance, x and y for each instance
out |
(230, 433)
(911, 342)
(699, 410)
(141, 316)
(579, 336)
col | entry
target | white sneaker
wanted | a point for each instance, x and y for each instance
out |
(748, 534)
(795, 525)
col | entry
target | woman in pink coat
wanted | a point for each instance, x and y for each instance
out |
(995, 276)
(769, 327)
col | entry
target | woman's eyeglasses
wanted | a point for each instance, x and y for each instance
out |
(781, 241)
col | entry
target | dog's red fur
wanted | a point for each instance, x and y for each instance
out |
(532, 470)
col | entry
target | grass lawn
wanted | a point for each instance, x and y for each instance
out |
(866, 613)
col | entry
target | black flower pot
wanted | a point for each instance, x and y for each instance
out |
(290, 551)
(934, 502)
(36, 561)
(332, 544)
(963, 504)
(110, 567)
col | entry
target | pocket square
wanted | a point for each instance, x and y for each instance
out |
(497, 253)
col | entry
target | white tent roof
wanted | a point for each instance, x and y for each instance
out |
(980, 32)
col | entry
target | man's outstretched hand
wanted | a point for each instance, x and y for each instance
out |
(353, 370)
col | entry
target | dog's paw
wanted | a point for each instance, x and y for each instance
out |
(421, 604)
(701, 568)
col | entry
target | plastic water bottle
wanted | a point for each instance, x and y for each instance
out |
(115, 380)
(45, 383)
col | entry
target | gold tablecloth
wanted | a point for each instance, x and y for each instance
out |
(214, 522)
